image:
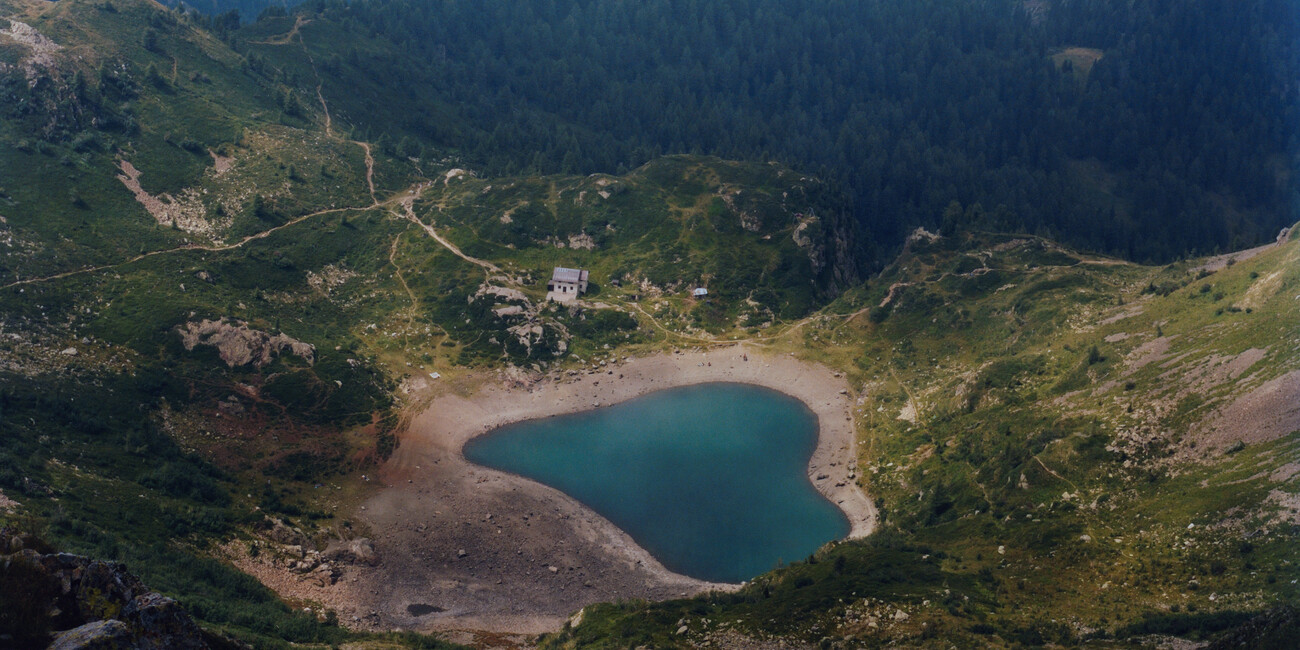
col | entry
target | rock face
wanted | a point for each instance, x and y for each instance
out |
(830, 242)
(74, 602)
(239, 345)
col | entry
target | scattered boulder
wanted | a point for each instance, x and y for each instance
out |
(325, 575)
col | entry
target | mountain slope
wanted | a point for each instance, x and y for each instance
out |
(1178, 139)
(1065, 449)
(213, 292)
(221, 296)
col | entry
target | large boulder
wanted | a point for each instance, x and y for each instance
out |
(110, 634)
(352, 551)
(159, 622)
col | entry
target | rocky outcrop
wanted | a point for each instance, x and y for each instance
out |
(1276, 628)
(239, 345)
(41, 51)
(74, 602)
(829, 242)
(921, 235)
(159, 622)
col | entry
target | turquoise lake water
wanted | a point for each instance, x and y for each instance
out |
(711, 479)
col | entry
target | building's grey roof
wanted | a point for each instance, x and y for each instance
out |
(561, 274)
(701, 291)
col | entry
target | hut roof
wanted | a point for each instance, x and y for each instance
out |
(561, 274)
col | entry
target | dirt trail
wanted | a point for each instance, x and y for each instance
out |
(415, 302)
(188, 247)
(329, 122)
(889, 297)
(756, 340)
(287, 37)
(688, 337)
(407, 202)
(392, 259)
(329, 119)
(911, 398)
(370, 167)
(1049, 471)
(370, 170)
(1221, 261)
(370, 185)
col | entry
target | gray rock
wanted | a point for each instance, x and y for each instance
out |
(161, 624)
(95, 635)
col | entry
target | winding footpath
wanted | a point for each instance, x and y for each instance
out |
(329, 131)
(407, 202)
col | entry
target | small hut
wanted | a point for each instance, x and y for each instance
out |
(566, 284)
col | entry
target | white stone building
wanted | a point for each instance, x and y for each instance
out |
(566, 284)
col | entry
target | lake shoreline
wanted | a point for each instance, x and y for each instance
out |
(500, 552)
(728, 497)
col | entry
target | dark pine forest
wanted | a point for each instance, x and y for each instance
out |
(995, 114)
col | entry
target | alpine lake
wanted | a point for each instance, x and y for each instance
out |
(711, 479)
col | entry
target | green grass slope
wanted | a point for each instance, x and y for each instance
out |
(101, 85)
(1065, 450)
